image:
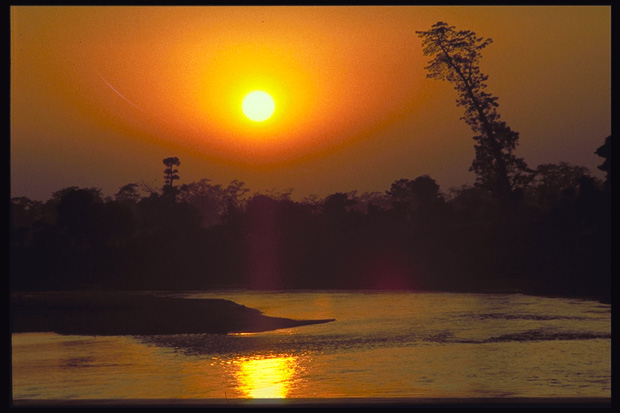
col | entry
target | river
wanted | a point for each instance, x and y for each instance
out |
(383, 345)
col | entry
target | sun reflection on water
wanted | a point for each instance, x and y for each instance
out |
(265, 377)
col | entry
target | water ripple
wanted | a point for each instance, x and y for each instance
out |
(544, 335)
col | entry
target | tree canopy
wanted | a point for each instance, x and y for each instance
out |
(455, 57)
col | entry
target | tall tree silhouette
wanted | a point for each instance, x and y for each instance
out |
(170, 174)
(456, 54)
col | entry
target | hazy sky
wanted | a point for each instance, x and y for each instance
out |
(100, 95)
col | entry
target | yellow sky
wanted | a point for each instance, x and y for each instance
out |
(100, 95)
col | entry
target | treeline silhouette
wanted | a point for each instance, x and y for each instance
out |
(553, 238)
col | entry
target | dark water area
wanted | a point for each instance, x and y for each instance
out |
(392, 347)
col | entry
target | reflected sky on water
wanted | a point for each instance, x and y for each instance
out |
(381, 345)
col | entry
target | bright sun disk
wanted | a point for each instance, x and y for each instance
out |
(258, 106)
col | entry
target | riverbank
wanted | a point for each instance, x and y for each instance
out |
(106, 313)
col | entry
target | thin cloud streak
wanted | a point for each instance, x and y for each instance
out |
(119, 93)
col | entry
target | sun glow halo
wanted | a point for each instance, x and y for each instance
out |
(258, 106)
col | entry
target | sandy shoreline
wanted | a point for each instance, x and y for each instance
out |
(101, 313)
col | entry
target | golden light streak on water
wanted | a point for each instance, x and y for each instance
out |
(265, 378)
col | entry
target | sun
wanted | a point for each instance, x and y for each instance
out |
(258, 106)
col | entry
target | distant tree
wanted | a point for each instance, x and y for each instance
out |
(604, 151)
(411, 196)
(213, 201)
(337, 205)
(314, 202)
(79, 215)
(456, 54)
(24, 211)
(372, 203)
(57, 196)
(170, 174)
(553, 182)
(469, 204)
(600, 253)
(128, 193)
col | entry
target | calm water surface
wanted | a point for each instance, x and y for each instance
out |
(382, 345)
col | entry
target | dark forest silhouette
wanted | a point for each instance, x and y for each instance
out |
(541, 231)
(554, 239)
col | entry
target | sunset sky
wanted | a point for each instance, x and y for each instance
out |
(100, 95)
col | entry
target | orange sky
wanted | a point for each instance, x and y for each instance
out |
(100, 95)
